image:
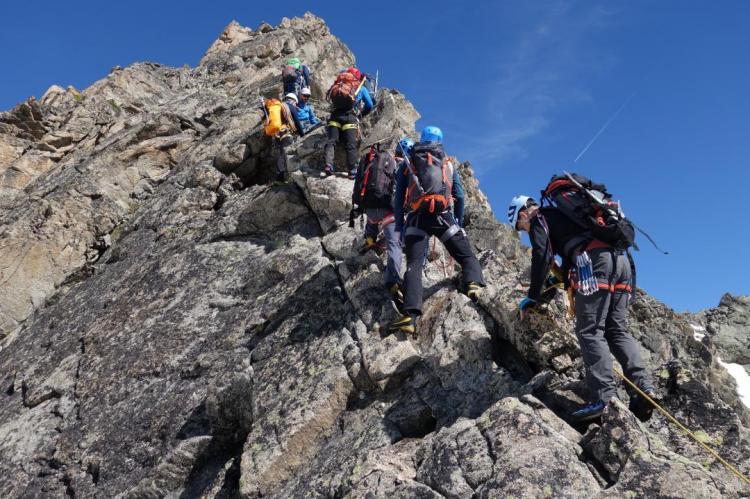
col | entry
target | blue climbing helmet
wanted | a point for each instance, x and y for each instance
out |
(404, 146)
(431, 134)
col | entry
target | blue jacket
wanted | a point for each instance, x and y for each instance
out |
(364, 96)
(402, 182)
(306, 115)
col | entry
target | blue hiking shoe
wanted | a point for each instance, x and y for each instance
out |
(588, 412)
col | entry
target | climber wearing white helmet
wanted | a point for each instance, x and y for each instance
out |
(285, 138)
(602, 281)
(306, 113)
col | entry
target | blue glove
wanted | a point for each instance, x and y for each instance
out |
(526, 303)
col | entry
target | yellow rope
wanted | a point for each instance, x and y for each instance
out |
(684, 428)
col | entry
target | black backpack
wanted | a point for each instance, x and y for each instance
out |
(430, 180)
(374, 185)
(591, 207)
(289, 75)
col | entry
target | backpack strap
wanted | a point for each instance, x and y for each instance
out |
(366, 176)
(288, 116)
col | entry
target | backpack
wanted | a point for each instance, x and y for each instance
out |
(590, 206)
(274, 119)
(430, 180)
(342, 93)
(289, 75)
(370, 86)
(374, 185)
(278, 118)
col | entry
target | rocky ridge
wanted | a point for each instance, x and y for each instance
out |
(175, 325)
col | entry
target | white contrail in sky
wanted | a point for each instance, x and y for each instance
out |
(614, 116)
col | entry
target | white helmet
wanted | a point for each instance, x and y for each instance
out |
(305, 91)
(517, 204)
(292, 96)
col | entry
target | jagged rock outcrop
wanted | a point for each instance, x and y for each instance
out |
(176, 325)
(729, 327)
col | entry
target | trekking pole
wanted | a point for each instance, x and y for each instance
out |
(359, 87)
(377, 71)
(377, 142)
(263, 107)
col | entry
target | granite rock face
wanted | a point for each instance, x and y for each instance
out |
(174, 324)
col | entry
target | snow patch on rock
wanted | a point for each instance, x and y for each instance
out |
(699, 332)
(741, 377)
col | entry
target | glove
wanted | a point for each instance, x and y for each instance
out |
(526, 304)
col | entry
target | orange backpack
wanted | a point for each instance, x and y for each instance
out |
(343, 92)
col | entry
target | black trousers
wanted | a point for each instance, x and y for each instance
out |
(342, 126)
(418, 230)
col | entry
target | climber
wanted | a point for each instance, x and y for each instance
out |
(601, 313)
(428, 188)
(306, 113)
(295, 76)
(345, 95)
(282, 122)
(373, 193)
(369, 84)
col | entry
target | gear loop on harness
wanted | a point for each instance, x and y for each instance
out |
(450, 232)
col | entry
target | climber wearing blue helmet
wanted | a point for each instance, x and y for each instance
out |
(431, 134)
(404, 147)
(429, 201)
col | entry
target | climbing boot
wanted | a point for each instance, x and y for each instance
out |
(404, 323)
(473, 290)
(640, 407)
(371, 243)
(588, 412)
(397, 296)
(328, 170)
(282, 178)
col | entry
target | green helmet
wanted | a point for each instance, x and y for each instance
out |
(293, 61)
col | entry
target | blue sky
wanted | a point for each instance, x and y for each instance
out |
(519, 88)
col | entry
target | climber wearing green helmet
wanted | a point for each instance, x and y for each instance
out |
(295, 76)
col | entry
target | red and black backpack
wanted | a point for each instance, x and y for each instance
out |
(375, 180)
(343, 92)
(591, 207)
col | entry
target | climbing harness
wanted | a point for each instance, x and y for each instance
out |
(344, 127)
(692, 435)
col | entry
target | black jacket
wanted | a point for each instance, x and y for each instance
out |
(552, 233)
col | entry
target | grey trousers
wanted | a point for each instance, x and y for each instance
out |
(281, 144)
(602, 327)
(393, 244)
